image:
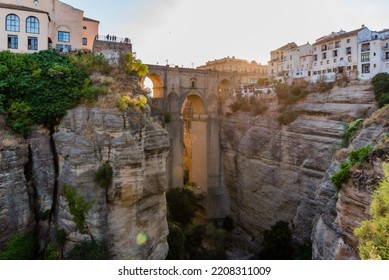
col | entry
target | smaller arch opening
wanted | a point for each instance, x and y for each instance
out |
(154, 84)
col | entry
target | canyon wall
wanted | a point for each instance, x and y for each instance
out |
(130, 215)
(339, 214)
(273, 172)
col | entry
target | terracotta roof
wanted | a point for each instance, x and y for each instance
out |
(21, 8)
(337, 36)
(89, 19)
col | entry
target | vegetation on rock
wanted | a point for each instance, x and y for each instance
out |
(89, 250)
(349, 131)
(103, 176)
(126, 102)
(288, 95)
(251, 105)
(134, 66)
(39, 88)
(78, 207)
(373, 234)
(181, 205)
(356, 157)
(20, 247)
(287, 117)
(380, 84)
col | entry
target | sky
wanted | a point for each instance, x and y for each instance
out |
(191, 32)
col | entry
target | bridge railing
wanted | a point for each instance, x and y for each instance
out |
(113, 38)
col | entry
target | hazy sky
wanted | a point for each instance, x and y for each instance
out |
(196, 31)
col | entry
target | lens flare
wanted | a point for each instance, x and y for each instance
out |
(141, 238)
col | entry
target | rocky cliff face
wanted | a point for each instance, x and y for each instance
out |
(16, 211)
(34, 172)
(273, 171)
(339, 214)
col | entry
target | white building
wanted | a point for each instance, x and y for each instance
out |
(374, 53)
(336, 53)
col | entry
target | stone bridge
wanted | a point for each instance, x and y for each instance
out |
(190, 102)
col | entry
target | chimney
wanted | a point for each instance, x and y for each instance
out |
(363, 26)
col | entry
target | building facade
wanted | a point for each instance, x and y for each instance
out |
(232, 64)
(34, 25)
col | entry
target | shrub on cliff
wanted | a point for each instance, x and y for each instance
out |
(133, 66)
(349, 132)
(39, 88)
(89, 250)
(380, 84)
(359, 156)
(277, 242)
(373, 234)
(20, 247)
(78, 206)
(288, 95)
(103, 176)
(181, 205)
(287, 117)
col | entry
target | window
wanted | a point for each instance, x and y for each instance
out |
(348, 68)
(324, 71)
(314, 49)
(355, 67)
(348, 50)
(365, 57)
(314, 73)
(323, 48)
(335, 53)
(324, 55)
(63, 48)
(321, 62)
(12, 23)
(84, 41)
(319, 72)
(335, 60)
(337, 45)
(33, 43)
(32, 25)
(387, 55)
(63, 36)
(315, 57)
(348, 41)
(365, 68)
(365, 47)
(291, 57)
(329, 70)
(349, 59)
(328, 61)
(12, 41)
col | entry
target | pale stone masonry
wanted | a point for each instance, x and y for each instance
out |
(33, 25)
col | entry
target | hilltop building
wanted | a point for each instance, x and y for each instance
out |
(360, 53)
(35, 25)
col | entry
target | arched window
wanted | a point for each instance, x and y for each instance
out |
(32, 25)
(12, 23)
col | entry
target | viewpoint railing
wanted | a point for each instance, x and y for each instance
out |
(113, 38)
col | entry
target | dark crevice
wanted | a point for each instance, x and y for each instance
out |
(56, 170)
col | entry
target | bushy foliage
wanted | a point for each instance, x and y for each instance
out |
(341, 176)
(252, 105)
(2, 98)
(103, 176)
(373, 234)
(349, 131)
(380, 84)
(126, 102)
(322, 85)
(91, 63)
(287, 117)
(176, 241)
(39, 88)
(133, 66)
(78, 207)
(89, 250)
(181, 205)
(288, 95)
(277, 242)
(20, 247)
(51, 252)
(358, 156)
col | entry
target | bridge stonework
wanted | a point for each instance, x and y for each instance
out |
(206, 90)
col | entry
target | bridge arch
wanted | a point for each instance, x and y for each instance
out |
(195, 131)
(158, 85)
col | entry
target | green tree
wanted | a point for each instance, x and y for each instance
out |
(181, 205)
(89, 250)
(380, 84)
(134, 66)
(277, 242)
(20, 247)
